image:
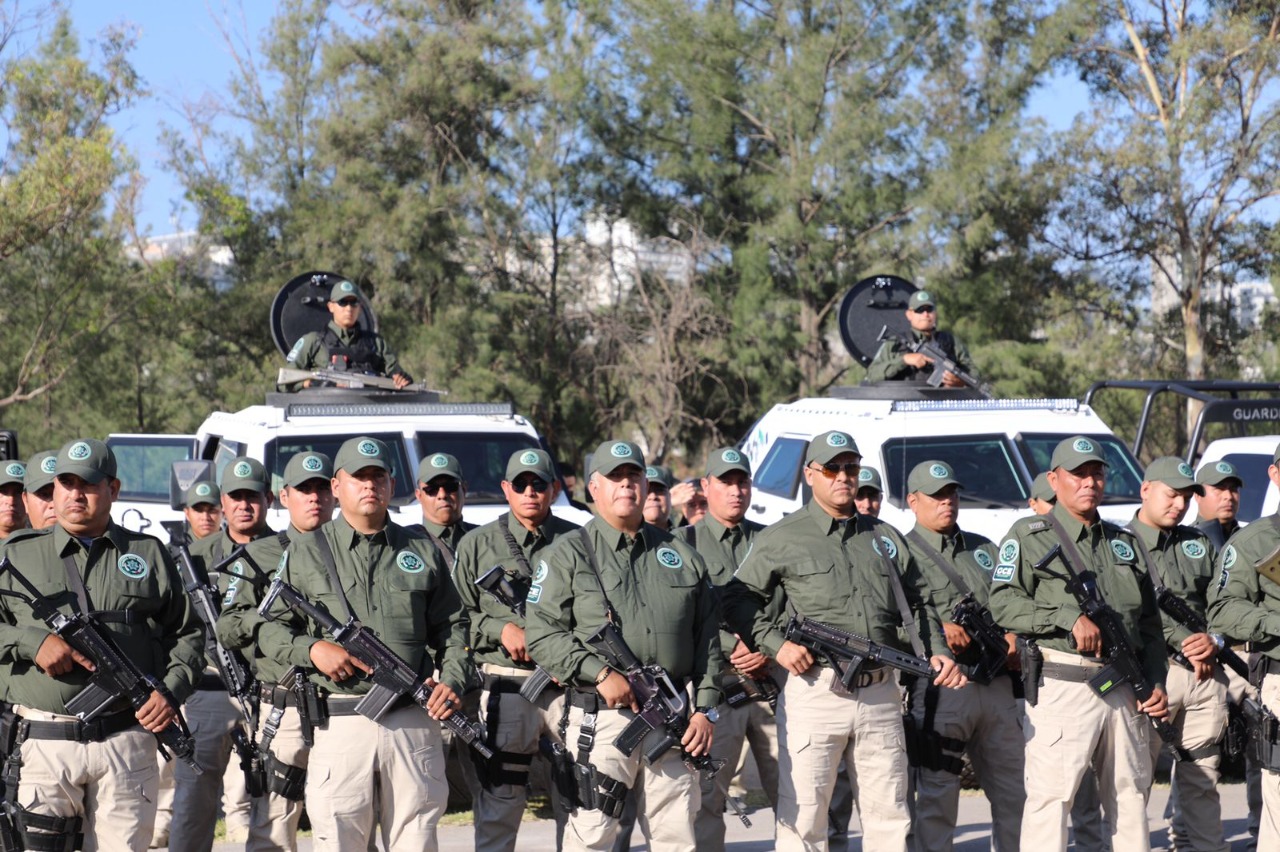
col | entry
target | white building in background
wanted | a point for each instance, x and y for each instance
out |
(216, 261)
(1246, 299)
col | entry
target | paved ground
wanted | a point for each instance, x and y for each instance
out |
(972, 834)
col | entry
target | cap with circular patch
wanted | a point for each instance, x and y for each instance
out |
(537, 462)
(201, 492)
(920, 298)
(659, 474)
(305, 466)
(87, 458)
(930, 477)
(439, 464)
(727, 459)
(245, 474)
(611, 455)
(1071, 453)
(869, 477)
(12, 472)
(1216, 473)
(342, 290)
(1173, 472)
(1041, 489)
(41, 469)
(356, 454)
(828, 445)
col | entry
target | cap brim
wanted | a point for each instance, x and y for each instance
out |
(89, 474)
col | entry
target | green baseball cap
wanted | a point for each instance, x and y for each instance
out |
(930, 477)
(920, 298)
(823, 448)
(611, 455)
(1073, 452)
(439, 464)
(727, 459)
(41, 469)
(342, 290)
(201, 492)
(1216, 473)
(356, 454)
(659, 474)
(306, 466)
(12, 471)
(1040, 488)
(869, 477)
(87, 458)
(537, 462)
(1173, 472)
(245, 474)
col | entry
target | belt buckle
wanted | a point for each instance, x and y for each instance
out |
(864, 679)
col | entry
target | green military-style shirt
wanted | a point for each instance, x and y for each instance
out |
(831, 571)
(723, 548)
(239, 622)
(1184, 559)
(309, 353)
(128, 571)
(971, 556)
(1035, 604)
(398, 586)
(1246, 605)
(658, 585)
(888, 364)
(483, 549)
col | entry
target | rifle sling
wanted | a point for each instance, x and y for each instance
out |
(331, 565)
(610, 613)
(81, 602)
(516, 553)
(899, 593)
(936, 557)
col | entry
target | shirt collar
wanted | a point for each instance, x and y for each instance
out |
(826, 522)
(66, 543)
(1076, 529)
(522, 534)
(1151, 537)
(347, 536)
(939, 541)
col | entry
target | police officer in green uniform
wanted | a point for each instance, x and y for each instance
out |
(980, 720)
(514, 543)
(1218, 506)
(1183, 560)
(362, 773)
(1246, 607)
(343, 345)
(442, 493)
(306, 494)
(895, 361)
(857, 574)
(13, 511)
(657, 501)
(37, 494)
(1036, 604)
(653, 588)
(870, 494)
(202, 509)
(98, 778)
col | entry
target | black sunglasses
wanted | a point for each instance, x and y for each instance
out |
(831, 469)
(526, 482)
(925, 309)
(450, 486)
(347, 303)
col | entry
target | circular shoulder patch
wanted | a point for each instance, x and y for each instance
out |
(889, 547)
(1009, 552)
(1122, 550)
(1185, 470)
(133, 566)
(79, 451)
(49, 464)
(984, 560)
(203, 490)
(368, 449)
(669, 558)
(528, 457)
(1228, 557)
(410, 562)
(1224, 467)
(1193, 549)
(311, 464)
(1082, 445)
(540, 573)
(937, 471)
(620, 450)
(864, 475)
(837, 439)
(296, 350)
(731, 457)
(242, 469)
(15, 469)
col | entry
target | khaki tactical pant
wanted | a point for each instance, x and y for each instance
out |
(514, 727)
(237, 804)
(817, 728)
(751, 724)
(1070, 729)
(212, 715)
(112, 785)
(987, 719)
(1199, 712)
(1269, 829)
(273, 819)
(388, 773)
(667, 795)
(164, 806)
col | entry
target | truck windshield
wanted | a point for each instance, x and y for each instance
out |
(144, 463)
(483, 457)
(984, 464)
(1124, 474)
(1253, 467)
(281, 450)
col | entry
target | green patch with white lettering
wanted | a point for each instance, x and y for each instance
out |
(1003, 573)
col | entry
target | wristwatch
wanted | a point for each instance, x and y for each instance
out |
(712, 714)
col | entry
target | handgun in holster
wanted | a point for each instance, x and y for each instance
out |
(1030, 661)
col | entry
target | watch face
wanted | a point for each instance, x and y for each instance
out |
(713, 715)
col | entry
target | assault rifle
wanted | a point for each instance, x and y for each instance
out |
(114, 675)
(392, 677)
(941, 361)
(345, 379)
(1181, 612)
(992, 647)
(232, 669)
(1122, 664)
(847, 653)
(497, 582)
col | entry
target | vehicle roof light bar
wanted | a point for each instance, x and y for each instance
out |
(920, 405)
(407, 409)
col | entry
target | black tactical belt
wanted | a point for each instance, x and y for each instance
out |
(276, 696)
(78, 732)
(1270, 665)
(588, 701)
(1063, 671)
(210, 682)
(503, 684)
(345, 705)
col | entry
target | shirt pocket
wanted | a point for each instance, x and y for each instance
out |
(405, 602)
(814, 589)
